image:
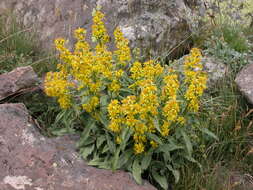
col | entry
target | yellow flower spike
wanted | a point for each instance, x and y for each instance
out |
(171, 109)
(91, 105)
(165, 129)
(114, 126)
(64, 102)
(114, 86)
(181, 120)
(79, 34)
(195, 78)
(99, 32)
(123, 51)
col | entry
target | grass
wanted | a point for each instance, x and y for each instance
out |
(225, 112)
(19, 47)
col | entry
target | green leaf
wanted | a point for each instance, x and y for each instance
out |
(191, 159)
(62, 131)
(85, 99)
(174, 172)
(136, 170)
(110, 143)
(100, 140)
(103, 119)
(160, 179)
(104, 103)
(211, 134)
(87, 151)
(105, 149)
(125, 157)
(126, 134)
(170, 147)
(95, 162)
(115, 159)
(60, 116)
(155, 138)
(146, 160)
(156, 124)
(187, 142)
(89, 140)
(86, 133)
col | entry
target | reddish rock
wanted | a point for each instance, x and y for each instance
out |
(16, 80)
(29, 161)
(244, 81)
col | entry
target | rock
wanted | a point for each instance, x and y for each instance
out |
(19, 79)
(244, 81)
(155, 26)
(215, 69)
(29, 161)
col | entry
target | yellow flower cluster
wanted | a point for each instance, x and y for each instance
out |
(123, 51)
(195, 78)
(88, 69)
(138, 112)
(92, 104)
(171, 108)
(153, 110)
(57, 86)
(99, 32)
(147, 70)
(152, 104)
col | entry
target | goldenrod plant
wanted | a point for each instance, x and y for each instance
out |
(141, 117)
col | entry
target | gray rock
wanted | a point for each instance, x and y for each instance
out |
(29, 161)
(155, 26)
(19, 79)
(215, 69)
(244, 81)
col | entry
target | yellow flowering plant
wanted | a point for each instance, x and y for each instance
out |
(131, 115)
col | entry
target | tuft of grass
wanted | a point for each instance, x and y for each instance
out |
(227, 114)
(19, 47)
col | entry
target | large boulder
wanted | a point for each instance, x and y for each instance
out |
(244, 81)
(29, 161)
(155, 26)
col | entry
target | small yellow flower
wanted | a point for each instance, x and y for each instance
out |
(118, 140)
(154, 144)
(138, 148)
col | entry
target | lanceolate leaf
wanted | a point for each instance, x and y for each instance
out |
(160, 179)
(187, 142)
(110, 143)
(155, 138)
(87, 151)
(146, 160)
(124, 157)
(170, 147)
(136, 170)
(86, 133)
(211, 134)
(174, 172)
(100, 140)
